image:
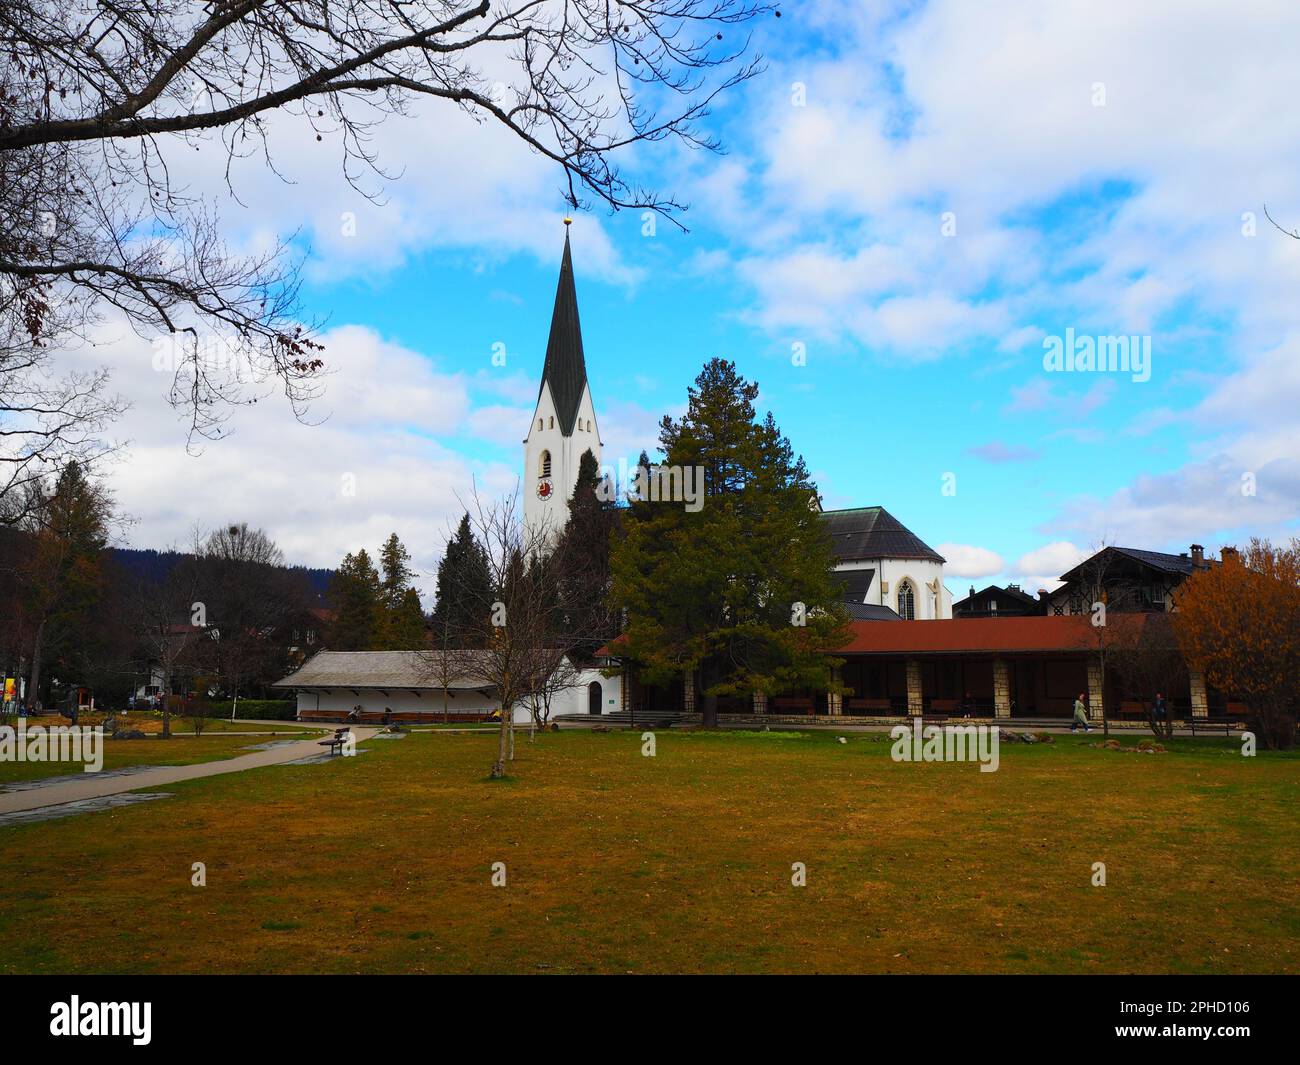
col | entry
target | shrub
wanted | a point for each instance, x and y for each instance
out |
(257, 709)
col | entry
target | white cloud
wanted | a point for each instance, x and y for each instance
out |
(1055, 558)
(963, 560)
(381, 427)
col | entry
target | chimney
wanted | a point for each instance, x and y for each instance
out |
(1228, 554)
(1198, 556)
(1043, 593)
(972, 591)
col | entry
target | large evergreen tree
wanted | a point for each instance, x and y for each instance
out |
(738, 595)
(401, 625)
(404, 630)
(463, 588)
(355, 595)
(395, 566)
(377, 609)
(582, 560)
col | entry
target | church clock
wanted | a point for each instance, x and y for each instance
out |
(544, 488)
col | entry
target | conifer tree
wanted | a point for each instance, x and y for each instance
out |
(737, 596)
(355, 594)
(395, 565)
(405, 628)
(463, 588)
(401, 618)
(582, 560)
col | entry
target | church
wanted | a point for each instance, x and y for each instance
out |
(564, 423)
(889, 573)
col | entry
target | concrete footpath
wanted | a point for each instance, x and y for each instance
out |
(95, 787)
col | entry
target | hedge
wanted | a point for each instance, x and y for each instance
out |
(257, 709)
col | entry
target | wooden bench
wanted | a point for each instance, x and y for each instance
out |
(943, 706)
(792, 703)
(1211, 724)
(1131, 708)
(335, 743)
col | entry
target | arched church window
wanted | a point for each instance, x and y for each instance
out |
(546, 464)
(539, 424)
(906, 601)
(552, 425)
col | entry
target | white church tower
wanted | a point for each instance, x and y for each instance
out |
(564, 424)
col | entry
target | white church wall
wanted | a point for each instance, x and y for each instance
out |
(890, 572)
(544, 435)
(575, 700)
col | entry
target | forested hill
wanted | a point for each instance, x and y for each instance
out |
(155, 565)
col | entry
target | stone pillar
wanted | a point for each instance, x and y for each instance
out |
(1094, 690)
(915, 702)
(688, 694)
(1001, 688)
(1200, 701)
(834, 700)
(760, 702)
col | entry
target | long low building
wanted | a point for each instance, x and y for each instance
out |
(409, 686)
(1008, 667)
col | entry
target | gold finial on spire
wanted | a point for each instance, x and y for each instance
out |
(568, 221)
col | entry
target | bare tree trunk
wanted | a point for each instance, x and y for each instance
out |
(34, 682)
(709, 703)
(1105, 718)
(499, 767)
(166, 706)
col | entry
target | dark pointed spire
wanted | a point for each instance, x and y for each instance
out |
(566, 368)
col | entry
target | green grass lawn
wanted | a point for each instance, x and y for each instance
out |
(119, 754)
(682, 862)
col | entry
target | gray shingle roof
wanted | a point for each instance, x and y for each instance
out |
(855, 583)
(1159, 560)
(871, 612)
(566, 368)
(375, 669)
(872, 532)
(1006, 593)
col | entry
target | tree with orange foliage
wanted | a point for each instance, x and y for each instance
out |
(1239, 624)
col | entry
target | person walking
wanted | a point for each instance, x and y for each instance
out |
(1159, 710)
(1080, 715)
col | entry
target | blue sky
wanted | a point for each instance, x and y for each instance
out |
(918, 194)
